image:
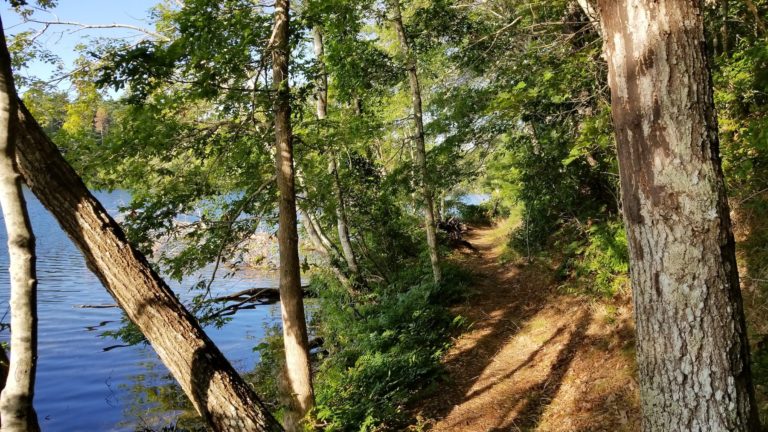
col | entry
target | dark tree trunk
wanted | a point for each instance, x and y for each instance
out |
(295, 337)
(692, 350)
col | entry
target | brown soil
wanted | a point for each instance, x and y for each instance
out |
(534, 358)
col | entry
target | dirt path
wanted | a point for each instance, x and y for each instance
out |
(534, 359)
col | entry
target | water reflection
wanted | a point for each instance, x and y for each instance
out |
(152, 399)
(89, 383)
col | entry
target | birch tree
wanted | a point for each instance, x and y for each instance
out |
(321, 104)
(419, 147)
(16, 410)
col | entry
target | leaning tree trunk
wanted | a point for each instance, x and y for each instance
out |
(291, 297)
(16, 410)
(420, 154)
(342, 224)
(217, 392)
(692, 350)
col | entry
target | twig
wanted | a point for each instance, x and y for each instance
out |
(82, 26)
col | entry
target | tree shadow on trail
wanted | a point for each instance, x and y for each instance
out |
(506, 297)
(540, 396)
(531, 357)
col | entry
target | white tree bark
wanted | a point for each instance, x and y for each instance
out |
(16, 410)
(321, 95)
(589, 10)
(420, 152)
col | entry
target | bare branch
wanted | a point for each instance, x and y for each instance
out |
(82, 26)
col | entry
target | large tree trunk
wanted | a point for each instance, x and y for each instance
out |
(16, 410)
(217, 392)
(291, 297)
(322, 112)
(420, 154)
(692, 350)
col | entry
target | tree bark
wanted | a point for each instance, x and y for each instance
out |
(420, 154)
(291, 299)
(759, 22)
(217, 392)
(330, 255)
(342, 223)
(319, 238)
(16, 410)
(724, 33)
(692, 350)
(589, 10)
(322, 112)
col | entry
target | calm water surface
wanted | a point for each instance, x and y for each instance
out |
(80, 386)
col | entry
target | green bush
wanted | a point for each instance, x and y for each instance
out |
(606, 257)
(382, 351)
(760, 375)
(265, 377)
(595, 259)
(475, 214)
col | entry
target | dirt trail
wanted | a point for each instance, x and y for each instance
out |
(533, 358)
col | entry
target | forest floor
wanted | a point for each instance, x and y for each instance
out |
(533, 357)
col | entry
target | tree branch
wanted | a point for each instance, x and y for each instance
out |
(82, 26)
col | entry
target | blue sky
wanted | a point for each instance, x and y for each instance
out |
(62, 40)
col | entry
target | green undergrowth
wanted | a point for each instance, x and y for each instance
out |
(594, 259)
(753, 263)
(478, 214)
(381, 352)
(760, 375)
(590, 258)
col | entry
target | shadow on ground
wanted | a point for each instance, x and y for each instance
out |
(534, 359)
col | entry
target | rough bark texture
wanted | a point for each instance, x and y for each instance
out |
(420, 152)
(322, 112)
(692, 349)
(16, 410)
(295, 338)
(217, 392)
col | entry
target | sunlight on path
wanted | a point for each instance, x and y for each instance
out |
(533, 358)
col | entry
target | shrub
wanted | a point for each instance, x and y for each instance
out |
(476, 214)
(595, 260)
(385, 351)
(382, 350)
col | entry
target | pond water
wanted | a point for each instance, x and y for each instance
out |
(82, 384)
(474, 198)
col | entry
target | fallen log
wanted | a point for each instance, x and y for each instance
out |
(266, 295)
